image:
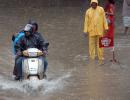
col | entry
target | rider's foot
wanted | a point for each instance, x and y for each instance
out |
(16, 78)
(44, 76)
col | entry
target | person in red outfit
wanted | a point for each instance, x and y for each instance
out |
(110, 9)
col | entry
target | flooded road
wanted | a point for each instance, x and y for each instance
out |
(71, 76)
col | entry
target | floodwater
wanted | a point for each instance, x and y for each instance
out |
(71, 76)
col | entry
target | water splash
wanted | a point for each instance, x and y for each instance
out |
(34, 86)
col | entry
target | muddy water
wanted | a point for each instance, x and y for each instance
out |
(71, 76)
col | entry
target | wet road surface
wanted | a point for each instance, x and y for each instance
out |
(71, 76)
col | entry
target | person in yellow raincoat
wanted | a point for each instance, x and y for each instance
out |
(95, 26)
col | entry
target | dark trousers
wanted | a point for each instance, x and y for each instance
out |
(18, 66)
(45, 64)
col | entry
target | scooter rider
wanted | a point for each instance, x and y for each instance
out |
(35, 31)
(29, 40)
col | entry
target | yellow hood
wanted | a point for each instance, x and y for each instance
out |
(96, 1)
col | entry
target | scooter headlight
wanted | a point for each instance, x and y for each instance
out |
(39, 53)
(25, 53)
(32, 54)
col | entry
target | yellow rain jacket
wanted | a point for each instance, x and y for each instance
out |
(95, 21)
(95, 24)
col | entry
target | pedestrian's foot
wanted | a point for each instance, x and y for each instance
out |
(101, 62)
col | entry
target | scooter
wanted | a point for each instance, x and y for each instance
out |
(33, 64)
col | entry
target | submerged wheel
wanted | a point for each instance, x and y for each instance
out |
(33, 78)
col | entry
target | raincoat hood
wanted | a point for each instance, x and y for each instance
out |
(96, 1)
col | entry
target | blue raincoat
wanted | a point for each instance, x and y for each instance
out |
(17, 38)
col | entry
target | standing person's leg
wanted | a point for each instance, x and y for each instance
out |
(100, 51)
(126, 30)
(92, 47)
(126, 22)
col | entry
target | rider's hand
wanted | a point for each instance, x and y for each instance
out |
(19, 53)
(45, 53)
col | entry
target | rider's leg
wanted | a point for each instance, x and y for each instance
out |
(15, 70)
(19, 67)
(45, 64)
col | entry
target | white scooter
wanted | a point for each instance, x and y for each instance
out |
(33, 64)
